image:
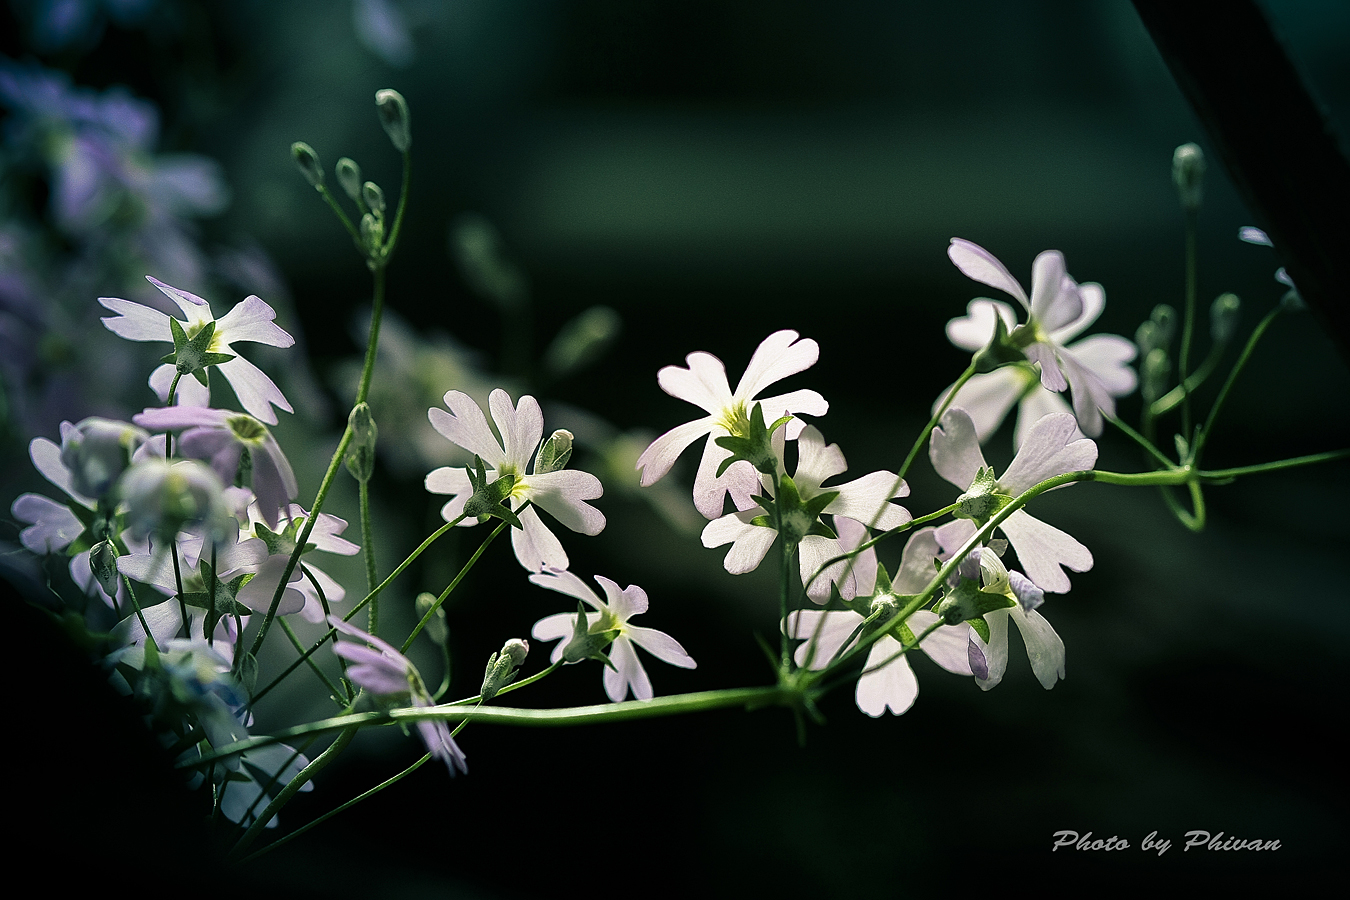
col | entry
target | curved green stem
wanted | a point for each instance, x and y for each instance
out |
(453, 584)
(1246, 353)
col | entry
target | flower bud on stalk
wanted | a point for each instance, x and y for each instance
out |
(394, 117)
(1156, 372)
(308, 161)
(1223, 318)
(103, 563)
(373, 197)
(501, 667)
(349, 176)
(554, 453)
(360, 458)
(1188, 174)
(436, 628)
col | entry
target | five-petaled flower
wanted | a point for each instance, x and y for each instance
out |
(1059, 308)
(251, 320)
(612, 616)
(562, 493)
(1049, 449)
(386, 673)
(704, 384)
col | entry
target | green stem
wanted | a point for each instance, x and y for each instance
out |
(1257, 333)
(865, 545)
(1142, 441)
(1168, 401)
(403, 194)
(1188, 323)
(290, 633)
(1221, 475)
(453, 584)
(348, 805)
(342, 216)
(368, 552)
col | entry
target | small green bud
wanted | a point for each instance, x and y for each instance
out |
(393, 110)
(1188, 174)
(1164, 318)
(516, 650)
(554, 453)
(372, 233)
(360, 457)
(349, 176)
(436, 628)
(1156, 374)
(501, 668)
(373, 197)
(1223, 318)
(103, 563)
(308, 161)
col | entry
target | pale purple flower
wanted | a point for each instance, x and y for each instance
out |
(324, 537)
(825, 633)
(1059, 308)
(628, 672)
(704, 384)
(221, 437)
(1253, 235)
(387, 673)
(1050, 449)
(251, 320)
(562, 493)
(1045, 649)
(865, 500)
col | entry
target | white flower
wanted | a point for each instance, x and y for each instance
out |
(863, 499)
(628, 672)
(1060, 308)
(562, 494)
(1050, 449)
(893, 685)
(251, 320)
(704, 384)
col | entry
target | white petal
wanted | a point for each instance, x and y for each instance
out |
(710, 489)
(815, 461)
(952, 536)
(916, 563)
(191, 392)
(554, 627)
(892, 687)
(136, 322)
(256, 392)
(703, 383)
(563, 495)
(536, 547)
(988, 397)
(981, 265)
(778, 356)
(853, 534)
(521, 427)
(252, 320)
(657, 459)
(996, 651)
(1093, 298)
(626, 603)
(865, 499)
(1107, 356)
(565, 582)
(1049, 449)
(627, 672)
(662, 646)
(1037, 404)
(466, 426)
(1090, 397)
(1042, 549)
(793, 403)
(975, 329)
(1052, 379)
(46, 456)
(947, 646)
(812, 553)
(1054, 295)
(825, 631)
(1045, 649)
(193, 306)
(954, 448)
(749, 543)
(52, 525)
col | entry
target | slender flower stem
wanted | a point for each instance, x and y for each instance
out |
(348, 805)
(453, 584)
(866, 545)
(1188, 323)
(368, 552)
(295, 640)
(342, 215)
(1257, 333)
(1142, 441)
(1169, 401)
(1218, 476)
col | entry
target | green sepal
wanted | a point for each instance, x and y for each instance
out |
(487, 498)
(983, 500)
(967, 603)
(586, 644)
(248, 672)
(192, 355)
(1001, 351)
(980, 627)
(755, 446)
(282, 543)
(798, 518)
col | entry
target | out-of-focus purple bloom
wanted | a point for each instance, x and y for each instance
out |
(222, 437)
(382, 29)
(385, 672)
(97, 451)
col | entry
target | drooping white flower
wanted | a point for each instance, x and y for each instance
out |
(1045, 649)
(866, 500)
(825, 633)
(1050, 449)
(251, 320)
(628, 672)
(704, 384)
(1094, 369)
(562, 493)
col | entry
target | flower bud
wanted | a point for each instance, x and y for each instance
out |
(1188, 174)
(501, 668)
(97, 451)
(103, 563)
(360, 457)
(349, 176)
(308, 161)
(373, 197)
(372, 233)
(1223, 318)
(517, 649)
(554, 453)
(393, 110)
(1155, 374)
(436, 628)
